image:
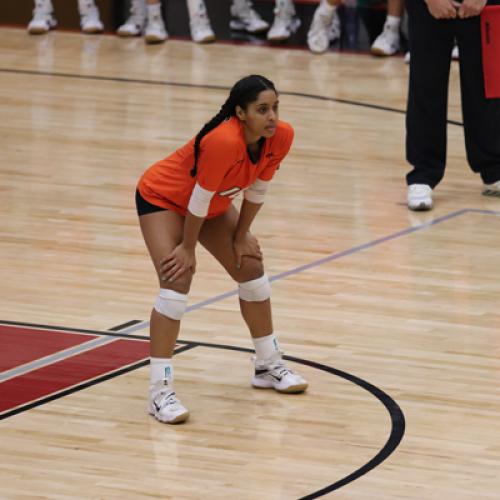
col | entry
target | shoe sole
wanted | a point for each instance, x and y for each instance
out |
(242, 27)
(207, 39)
(177, 420)
(421, 208)
(294, 389)
(152, 40)
(380, 53)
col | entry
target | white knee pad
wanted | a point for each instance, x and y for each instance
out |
(255, 290)
(171, 303)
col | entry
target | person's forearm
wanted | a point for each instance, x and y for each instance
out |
(248, 212)
(192, 227)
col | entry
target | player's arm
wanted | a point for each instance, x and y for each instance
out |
(183, 256)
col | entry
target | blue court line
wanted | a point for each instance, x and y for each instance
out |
(332, 257)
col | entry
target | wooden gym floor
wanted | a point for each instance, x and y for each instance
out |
(392, 316)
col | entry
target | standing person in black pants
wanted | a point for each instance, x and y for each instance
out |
(433, 26)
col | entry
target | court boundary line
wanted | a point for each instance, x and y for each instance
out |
(168, 83)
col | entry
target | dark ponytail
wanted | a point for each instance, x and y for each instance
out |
(243, 92)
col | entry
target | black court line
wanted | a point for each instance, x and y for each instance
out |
(396, 414)
(167, 83)
(125, 325)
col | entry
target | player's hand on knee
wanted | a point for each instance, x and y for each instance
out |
(178, 262)
(248, 246)
(442, 9)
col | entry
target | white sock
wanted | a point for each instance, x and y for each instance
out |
(393, 21)
(196, 7)
(325, 6)
(154, 10)
(85, 5)
(266, 347)
(161, 369)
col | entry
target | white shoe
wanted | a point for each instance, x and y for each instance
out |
(325, 27)
(285, 22)
(455, 54)
(164, 405)
(419, 197)
(136, 22)
(155, 31)
(407, 58)
(201, 30)
(274, 374)
(43, 18)
(491, 189)
(89, 18)
(387, 43)
(243, 17)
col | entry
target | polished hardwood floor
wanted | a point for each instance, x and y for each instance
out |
(392, 316)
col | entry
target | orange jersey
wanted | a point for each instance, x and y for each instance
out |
(224, 167)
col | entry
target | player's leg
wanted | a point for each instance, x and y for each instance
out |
(162, 232)
(217, 236)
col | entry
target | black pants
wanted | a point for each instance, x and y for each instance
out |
(431, 43)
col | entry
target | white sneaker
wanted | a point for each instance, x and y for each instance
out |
(419, 197)
(155, 31)
(325, 27)
(43, 18)
(89, 18)
(407, 58)
(387, 43)
(201, 30)
(274, 374)
(136, 22)
(243, 17)
(455, 55)
(285, 22)
(164, 405)
(491, 189)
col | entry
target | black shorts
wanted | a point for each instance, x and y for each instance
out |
(144, 207)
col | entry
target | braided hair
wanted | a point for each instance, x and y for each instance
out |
(243, 92)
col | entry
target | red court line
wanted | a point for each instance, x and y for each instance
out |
(71, 371)
(22, 345)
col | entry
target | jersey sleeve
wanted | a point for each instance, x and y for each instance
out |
(280, 148)
(218, 153)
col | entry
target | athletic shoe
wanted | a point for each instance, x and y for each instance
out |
(454, 53)
(164, 405)
(89, 18)
(407, 58)
(285, 22)
(201, 31)
(419, 197)
(243, 17)
(387, 43)
(155, 31)
(136, 22)
(274, 374)
(43, 18)
(325, 27)
(491, 189)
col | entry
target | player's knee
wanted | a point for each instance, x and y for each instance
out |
(250, 269)
(256, 290)
(171, 304)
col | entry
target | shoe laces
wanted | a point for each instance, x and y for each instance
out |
(166, 398)
(200, 21)
(247, 14)
(419, 189)
(273, 364)
(40, 11)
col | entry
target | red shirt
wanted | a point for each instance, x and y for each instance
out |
(224, 166)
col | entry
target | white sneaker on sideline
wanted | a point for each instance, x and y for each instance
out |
(407, 58)
(491, 189)
(274, 374)
(285, 22)
(43, 18)
(201, 30)
(387, 43)
(455, 55)
(90, 21)
(244, 17)
(155, 31)
(136, 22)
(164, 405)
(419, 197)
(325, 27)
